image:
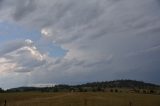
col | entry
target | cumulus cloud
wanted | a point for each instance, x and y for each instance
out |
(22, 56)
(44, 32)
(104, 39)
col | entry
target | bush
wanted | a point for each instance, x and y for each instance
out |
(93, 90)
(144, 91)
(111, 90)
(1, 90)
(116, 90)
(80, 89)
(99, 88)
(152, 91)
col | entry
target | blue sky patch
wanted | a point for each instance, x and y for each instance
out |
(11, 31)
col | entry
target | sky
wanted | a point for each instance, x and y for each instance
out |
(45, 42)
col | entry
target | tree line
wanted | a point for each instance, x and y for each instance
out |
(105, 86)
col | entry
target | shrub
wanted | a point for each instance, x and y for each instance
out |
(111, 90)
(152, 91)
(144, 91)
(116, 90)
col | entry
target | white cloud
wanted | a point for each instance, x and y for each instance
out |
(22, 59)
(6, 65)
(28, 41)
(44, 32)
(101, 37)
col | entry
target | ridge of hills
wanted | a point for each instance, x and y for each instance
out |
(94, 86)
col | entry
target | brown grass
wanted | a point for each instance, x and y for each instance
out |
(79, 99)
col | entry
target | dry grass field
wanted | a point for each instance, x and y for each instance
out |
(79, 99)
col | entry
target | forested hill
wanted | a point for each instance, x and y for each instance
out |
(121, 83)
(94, 86)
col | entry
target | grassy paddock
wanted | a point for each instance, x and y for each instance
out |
(79, 99)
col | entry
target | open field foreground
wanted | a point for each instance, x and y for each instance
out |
(79, 99)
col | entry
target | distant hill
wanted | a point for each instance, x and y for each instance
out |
(122, 83)
(94, 86)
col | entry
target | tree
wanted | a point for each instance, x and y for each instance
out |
(99, 88)
(93, 89)
(116, 90)
(152, 91)
(80, 89)
(144, 91)
(111, 90)
(55, 89)
(1, 90)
